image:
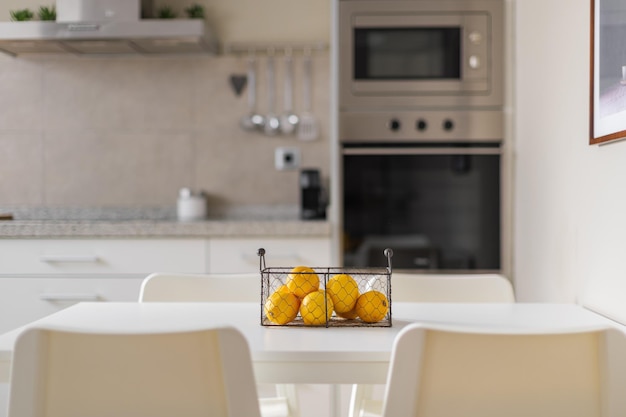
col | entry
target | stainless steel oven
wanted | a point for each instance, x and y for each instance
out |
(427, 53)
(420, 129)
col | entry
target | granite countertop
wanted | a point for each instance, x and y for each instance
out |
(157, 222)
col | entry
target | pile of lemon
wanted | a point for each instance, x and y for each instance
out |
(301, 294)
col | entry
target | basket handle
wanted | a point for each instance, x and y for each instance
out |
(261, 253)
(388, 252)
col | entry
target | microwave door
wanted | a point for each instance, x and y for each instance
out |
(407, 53)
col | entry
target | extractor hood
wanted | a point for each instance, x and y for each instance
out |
(142, 36)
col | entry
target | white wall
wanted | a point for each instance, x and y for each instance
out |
(570, 198)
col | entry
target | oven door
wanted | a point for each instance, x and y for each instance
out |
(437, 207)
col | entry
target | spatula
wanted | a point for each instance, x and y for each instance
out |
(307, 128)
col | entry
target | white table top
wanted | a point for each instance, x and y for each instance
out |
(334, 355)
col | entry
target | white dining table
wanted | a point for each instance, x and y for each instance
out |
(289, 354)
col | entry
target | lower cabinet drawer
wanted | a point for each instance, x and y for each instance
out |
(101, 256)
(23, 300)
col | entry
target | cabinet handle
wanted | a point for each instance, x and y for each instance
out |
(68, 297)
(70, 258)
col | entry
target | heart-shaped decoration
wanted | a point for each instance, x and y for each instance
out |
(238, 83)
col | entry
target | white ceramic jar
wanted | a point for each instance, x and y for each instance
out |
(191, 206)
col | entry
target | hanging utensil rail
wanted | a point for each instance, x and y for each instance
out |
(274, 48)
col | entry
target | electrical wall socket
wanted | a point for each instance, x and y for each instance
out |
(286, 158)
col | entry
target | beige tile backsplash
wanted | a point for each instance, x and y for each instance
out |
(21, 168)
(131, 131)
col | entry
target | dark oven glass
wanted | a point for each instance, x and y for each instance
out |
(435, 211)
(407, 53)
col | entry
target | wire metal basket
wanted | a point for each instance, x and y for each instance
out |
(350, 297)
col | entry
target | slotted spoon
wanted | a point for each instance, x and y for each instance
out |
(253, 120)
(307, 127)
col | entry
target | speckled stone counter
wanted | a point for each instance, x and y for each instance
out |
(275, 221)
(157, 228)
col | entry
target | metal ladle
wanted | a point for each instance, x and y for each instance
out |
(253, 120)
(272, 122)
(288, 120)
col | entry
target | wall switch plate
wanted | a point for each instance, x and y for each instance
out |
(286, 158)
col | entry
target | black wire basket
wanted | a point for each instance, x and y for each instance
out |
(325, 296)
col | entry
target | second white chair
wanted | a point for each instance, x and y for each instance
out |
(407, 287)
(246, 287)
(437, 371)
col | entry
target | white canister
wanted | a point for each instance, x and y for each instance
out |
(191, 206)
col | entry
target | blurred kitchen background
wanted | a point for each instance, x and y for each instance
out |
(129, 131)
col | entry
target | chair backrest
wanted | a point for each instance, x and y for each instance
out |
(201, 287)
(480, 373)
(244, 287)
(75, 374)
(471, 288)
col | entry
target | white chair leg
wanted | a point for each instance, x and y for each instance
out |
(362, 403)
(290, 393)
(285, 404)
(274, 407)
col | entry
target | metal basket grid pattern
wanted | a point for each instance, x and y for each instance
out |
(367, 279)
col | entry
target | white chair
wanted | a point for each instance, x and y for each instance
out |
(206, 372)
(246, 287)
(473, 288)
(169, 287)
(499, 372)
(407, 287)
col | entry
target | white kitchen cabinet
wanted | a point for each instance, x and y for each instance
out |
(24, 299)
(41, 276)
(101, 256)
(232, 255)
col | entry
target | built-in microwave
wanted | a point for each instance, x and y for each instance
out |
(420, 53)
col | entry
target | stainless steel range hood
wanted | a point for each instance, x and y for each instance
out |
(143, 36)
(106, 27)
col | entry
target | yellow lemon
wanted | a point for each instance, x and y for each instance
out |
(302, 280)
(316, 308)
(283, 288)
(344, 292)
(372, 306)
(281, 307)
(348, 314)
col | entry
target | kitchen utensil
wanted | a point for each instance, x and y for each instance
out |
(307, 128)
(289, 120)
(272, 122)
(253, 120)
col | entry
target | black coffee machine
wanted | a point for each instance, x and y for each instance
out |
(313, 205)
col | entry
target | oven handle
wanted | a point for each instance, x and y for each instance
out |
(422, 151)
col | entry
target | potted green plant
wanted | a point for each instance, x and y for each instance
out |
(195, 11)
(47, 13)
(166, 12)
(21, 15)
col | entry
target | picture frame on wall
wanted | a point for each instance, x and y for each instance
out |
(608, 71)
